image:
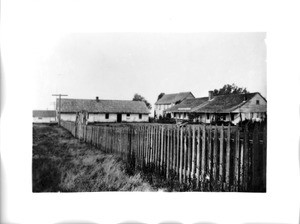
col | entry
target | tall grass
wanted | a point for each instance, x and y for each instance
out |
(62, 163)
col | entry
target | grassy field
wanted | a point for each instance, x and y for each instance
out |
(63, 163)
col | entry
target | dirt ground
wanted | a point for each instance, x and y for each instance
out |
(62, 163)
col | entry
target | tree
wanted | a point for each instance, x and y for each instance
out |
(138, 97)
(160, 96)
(229, 89)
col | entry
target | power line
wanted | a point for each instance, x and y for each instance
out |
(59, 105)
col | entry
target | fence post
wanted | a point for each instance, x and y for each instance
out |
(203, 156)
(236, 160)
(228, 159)
(181, 155)
(198, 158)
(221, 162)
(246, 159)
(215, 162)
(256, 162)
(264, 169)
(209, 157)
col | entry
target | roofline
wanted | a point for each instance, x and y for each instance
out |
(170, 94)
(100, 99)
(74, 112)
(234, 107)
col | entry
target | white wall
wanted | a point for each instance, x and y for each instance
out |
(68, 117)
(251, 105)
(44, 120)
(135, 118)
(101, 118)
(113, 118)
(159, 109)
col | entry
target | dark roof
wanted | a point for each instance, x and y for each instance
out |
(187, 105)
(224, 103)
(173, 98)
(103, 106)
(44, 113)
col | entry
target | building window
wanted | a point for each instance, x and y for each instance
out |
(207, 116)
(140, 116)
(232, 117)
(257, 102)
(128, 115)
(106, 116)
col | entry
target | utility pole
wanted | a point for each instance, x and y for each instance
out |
(59, 105)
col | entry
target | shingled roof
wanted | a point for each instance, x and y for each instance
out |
(43, 113)
(187, 105)
(173, 98)
(224, 103)
(103, 106)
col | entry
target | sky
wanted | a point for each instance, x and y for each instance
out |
(118, 65)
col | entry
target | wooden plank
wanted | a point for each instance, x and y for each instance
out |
(264, 169)
(198, 157)
(157, 154)
(174, 150)
(139, 143)
(209, 154)
(193, 152)
(170, 156)
(184, 156)
(181, 156)
(154, 144)
(246, 158)
(215, 156)
(227, 176)
(237, 159)
(161, 148)
(167, 152)
(221, 158)
(143, 146)
(150, 144)
(178, 153)
(188, 154)
(146, 145)
(203, 156)
(256, 162)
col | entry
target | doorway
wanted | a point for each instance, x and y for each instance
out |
(119, 118)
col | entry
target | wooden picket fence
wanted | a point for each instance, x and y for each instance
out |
(204, 157)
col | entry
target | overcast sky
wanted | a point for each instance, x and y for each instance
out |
(118, 65)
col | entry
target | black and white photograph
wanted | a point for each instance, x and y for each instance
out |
(152, 112)
(137, 112)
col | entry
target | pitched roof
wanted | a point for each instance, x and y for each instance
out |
(103, 106)
(224, 103)
(173, 98)
(187, 105)
(43, 113)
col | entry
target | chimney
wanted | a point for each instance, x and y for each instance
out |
(97, 98)
(210, 95)
(245, 96)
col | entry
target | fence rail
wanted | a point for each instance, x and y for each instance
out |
(207, 158)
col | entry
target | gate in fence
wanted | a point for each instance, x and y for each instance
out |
(206, 157)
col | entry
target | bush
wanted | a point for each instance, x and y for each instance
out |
(166, 120)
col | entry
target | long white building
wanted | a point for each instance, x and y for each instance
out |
(98, 110)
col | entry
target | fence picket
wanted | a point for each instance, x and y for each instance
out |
(203, 154)
(221, 158)
(237, 159)
(227, 158)
(215, 154)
